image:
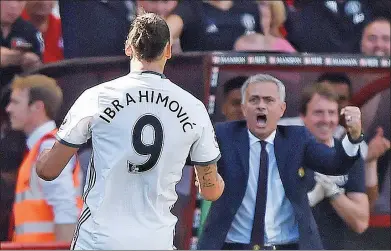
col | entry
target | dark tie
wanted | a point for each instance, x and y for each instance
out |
(258, 230)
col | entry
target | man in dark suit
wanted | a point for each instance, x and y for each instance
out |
(262, 165)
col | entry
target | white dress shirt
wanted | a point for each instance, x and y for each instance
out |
(280, 224)
(59, 193)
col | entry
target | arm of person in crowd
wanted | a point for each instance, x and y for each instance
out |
(30, 60)
(352, 207)
(210, 183)
(62, 196)
(10, 57)
(373, 151)
(175, 23)
(340, 159)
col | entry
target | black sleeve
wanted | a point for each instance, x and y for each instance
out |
(36, 39)
(38, 44)
(356, 178)
(327, 160)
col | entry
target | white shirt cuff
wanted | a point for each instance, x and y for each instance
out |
(364, 149)
(350, 149)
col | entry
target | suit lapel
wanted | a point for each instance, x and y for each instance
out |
(281, 149)
(243, 147)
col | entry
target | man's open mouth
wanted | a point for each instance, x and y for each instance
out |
(261, 120)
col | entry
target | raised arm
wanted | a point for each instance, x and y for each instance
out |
(340, 158)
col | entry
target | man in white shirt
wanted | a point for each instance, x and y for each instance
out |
(143, 127)
(34, 103)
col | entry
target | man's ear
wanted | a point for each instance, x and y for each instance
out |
(168, 51)
(283, 108)
(38, 106)
(128, 50)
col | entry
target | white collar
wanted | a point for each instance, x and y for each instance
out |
(39, 132)
(269, 139)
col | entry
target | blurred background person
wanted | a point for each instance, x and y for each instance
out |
(161, 7)
(40, 14)
(273, 17)
(21, 48)
(213, 25)
(95, 28)
(328, 26)
(21, 42)
(43, 211)
(339, 203)
(232, 99)
(375, 39)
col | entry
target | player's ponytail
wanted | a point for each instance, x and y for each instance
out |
(148, 36)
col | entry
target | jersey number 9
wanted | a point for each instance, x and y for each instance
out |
(152, 150)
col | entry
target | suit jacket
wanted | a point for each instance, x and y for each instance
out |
(294, 148)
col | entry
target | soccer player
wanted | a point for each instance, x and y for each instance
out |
(143, 127)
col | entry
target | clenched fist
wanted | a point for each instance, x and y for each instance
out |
(353, 121)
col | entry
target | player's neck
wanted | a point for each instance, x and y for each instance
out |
(136, 66)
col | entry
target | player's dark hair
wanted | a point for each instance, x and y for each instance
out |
(233, 84)
(148, 35)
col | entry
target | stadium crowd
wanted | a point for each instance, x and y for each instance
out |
(35, 33)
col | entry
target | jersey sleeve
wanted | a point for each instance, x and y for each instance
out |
(205, 149)
(75, 129)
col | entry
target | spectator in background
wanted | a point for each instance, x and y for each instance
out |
(160, 7)
(328, 26)
(339, 203)
(53, 207)
(371, 152)
(375, 40)
(39, 13)
(273, 16)
(163, 9)
(213, 25)
(95, 28)
(232, 98)
(21, 43)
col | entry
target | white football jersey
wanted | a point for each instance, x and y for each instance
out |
(143, 127)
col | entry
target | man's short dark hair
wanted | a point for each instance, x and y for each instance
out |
(148, 35)
(233, 84)
(321, 89)
(335, 77)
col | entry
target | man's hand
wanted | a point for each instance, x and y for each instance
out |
(30, 60)
(377, 146)
(316, 195)
(353, 121)
(330, 188)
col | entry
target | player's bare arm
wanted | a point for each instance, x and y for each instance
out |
(210, 183)
(51, 162)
